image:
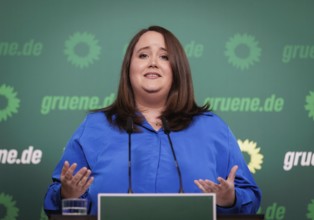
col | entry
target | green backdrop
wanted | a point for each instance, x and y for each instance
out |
(253, 60)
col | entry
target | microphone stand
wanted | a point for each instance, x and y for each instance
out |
(129, 129)
(167, 132)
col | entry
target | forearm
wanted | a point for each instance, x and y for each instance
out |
(247, 202)
(52, 201)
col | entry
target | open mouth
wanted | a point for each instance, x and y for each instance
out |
(152, 75)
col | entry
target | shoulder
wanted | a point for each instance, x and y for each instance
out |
(95, 117)
(95, 125)
(209, 123)
(95, 121)
(210, 118)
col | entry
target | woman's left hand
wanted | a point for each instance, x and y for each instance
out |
(225, 193)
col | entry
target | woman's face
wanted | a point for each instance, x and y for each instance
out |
(150, 70)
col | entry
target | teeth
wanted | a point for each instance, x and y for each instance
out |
(151, 74)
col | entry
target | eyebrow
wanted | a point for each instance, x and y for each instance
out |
(147, 47)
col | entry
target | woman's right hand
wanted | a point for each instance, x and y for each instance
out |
(73, 186)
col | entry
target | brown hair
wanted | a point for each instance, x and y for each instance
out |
(180, 106)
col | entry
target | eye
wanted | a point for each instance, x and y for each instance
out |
(164, 57)
(142, 56)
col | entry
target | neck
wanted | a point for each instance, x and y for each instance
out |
(151, 100)
(150, 104)
(151, 114)
(149, 111)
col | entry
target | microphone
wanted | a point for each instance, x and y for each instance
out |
(129, 130)
(167, 132)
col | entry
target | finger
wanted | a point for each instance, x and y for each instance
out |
(79, 175)
(65, 167)
(80, 183)
(85, 177)
(204, 185)
(200, 186)
(232, 173)
(82, 179)
(221, 180)
(211, 185)
(223, 183)
(69, 172)
(207, 185)
(88, 183)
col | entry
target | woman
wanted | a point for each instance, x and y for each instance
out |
(154, 125)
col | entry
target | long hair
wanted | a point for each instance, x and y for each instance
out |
(180, 105)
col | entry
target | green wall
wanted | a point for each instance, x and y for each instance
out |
(253, 60)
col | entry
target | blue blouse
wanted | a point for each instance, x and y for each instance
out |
(206, 149)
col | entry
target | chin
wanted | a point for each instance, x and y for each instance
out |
(151, 90)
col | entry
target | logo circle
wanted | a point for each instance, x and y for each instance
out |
(9, 204)
(309, 106)
(86, 39)
(256, 158)
(248, 41)
(13, 103)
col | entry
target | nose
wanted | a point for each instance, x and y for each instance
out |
(153, 62)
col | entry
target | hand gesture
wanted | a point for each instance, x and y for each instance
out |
(73, 186)
(225, 193)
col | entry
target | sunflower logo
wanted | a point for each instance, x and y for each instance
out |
(13, 103)
(310, 209)
(78, 57)
(43, 215)
(11, 212)
(310, 104)
(256, 159)
(235, 43)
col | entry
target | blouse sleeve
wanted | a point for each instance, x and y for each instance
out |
(73, 153)
(248, 195)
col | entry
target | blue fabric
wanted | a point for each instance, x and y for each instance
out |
(207, 149)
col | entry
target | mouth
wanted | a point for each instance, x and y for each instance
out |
(152, 75)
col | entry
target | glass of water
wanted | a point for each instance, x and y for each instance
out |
(74, 206)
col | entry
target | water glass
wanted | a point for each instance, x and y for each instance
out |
(74, 207)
